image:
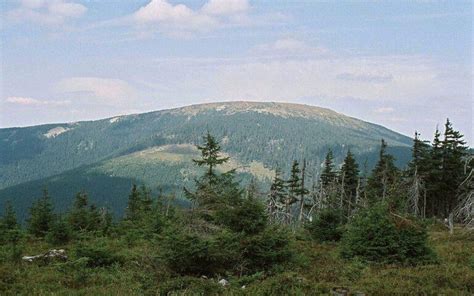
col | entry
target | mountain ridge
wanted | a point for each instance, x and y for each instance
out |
(260, 135)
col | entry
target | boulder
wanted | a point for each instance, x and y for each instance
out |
(52, 254)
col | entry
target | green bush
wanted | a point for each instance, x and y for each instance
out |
(248, 216)
(326, 226)
(266, 250)
(376, 235)
(97, 256)
(187, 253)
(60, 232)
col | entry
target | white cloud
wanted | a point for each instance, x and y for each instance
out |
(384, 110)
(179, 20)
(46, 11)
(27, 101)
(107, 91)
(225, 7)
(289, 47)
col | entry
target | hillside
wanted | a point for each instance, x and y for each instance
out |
(157, 148)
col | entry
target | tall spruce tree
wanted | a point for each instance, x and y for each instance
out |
(79, 215)
(294, 190)
(454, 150)
(383, 177)
(277, 196)
(8, 220)
(134, 204)
(328, 175)
(350, 182)
(417, 175)
(210, 156)
(41, 216)
(434, 185)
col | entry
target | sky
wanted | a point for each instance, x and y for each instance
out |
(406, 65)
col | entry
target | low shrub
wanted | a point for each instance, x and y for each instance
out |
(97, 255)
(326, 226)
(376, 235)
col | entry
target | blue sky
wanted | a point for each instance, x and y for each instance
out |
(404, 64)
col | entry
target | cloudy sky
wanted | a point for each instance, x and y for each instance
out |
(403, 64)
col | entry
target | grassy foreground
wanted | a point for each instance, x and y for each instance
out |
(316, 270)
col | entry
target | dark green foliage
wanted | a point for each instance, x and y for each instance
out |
(326, 225)
(266, 249)
(188, 253)
(8, 220)
(248, 216)
(60, 232)
(85, 217)
(211, 158)
(384, 176)
(41, 216)
(328, 174)
(97, 255)
(377, 235)
(351, 182)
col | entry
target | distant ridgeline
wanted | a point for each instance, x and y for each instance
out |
(105, 157)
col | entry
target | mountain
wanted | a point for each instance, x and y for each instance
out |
(104, 157)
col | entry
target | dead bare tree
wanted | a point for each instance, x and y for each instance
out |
(464, 211)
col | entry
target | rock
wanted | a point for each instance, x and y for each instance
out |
(204, 277)
(243, 287)
(48, 256)
(339, 291)
(224, 282)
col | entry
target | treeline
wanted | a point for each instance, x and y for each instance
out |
(436, 183)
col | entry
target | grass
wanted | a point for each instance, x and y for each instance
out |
(316, 269)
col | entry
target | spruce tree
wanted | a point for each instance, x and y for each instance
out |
(41, 216)
(79, 215)
(328, 175)
(454, 150)
(277, 195)
(8, 221)
(350, 182)
(294, 189)
(417, 175)
(434, 186)
(134, 204)
(383, 177)
(210, 156)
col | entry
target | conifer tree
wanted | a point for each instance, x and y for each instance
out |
(79, 215)
(210, 156)
(134, 204)
(41, 216)
(294, 189)
(454, 150)
(434, 185)
(277, 195)
(383, 177)
(8, 221)
(302, 192)
(328, 175)
(350, 175)
(417, 174)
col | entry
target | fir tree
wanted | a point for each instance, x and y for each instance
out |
(328, 175)
(383, 177)
(454, 150)
(294, 189)
(434, 185)
(41, 216)
(350, 182)
(79, 216)
(8, 221)
(277, 195)
(210, 156)
(134, 204)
